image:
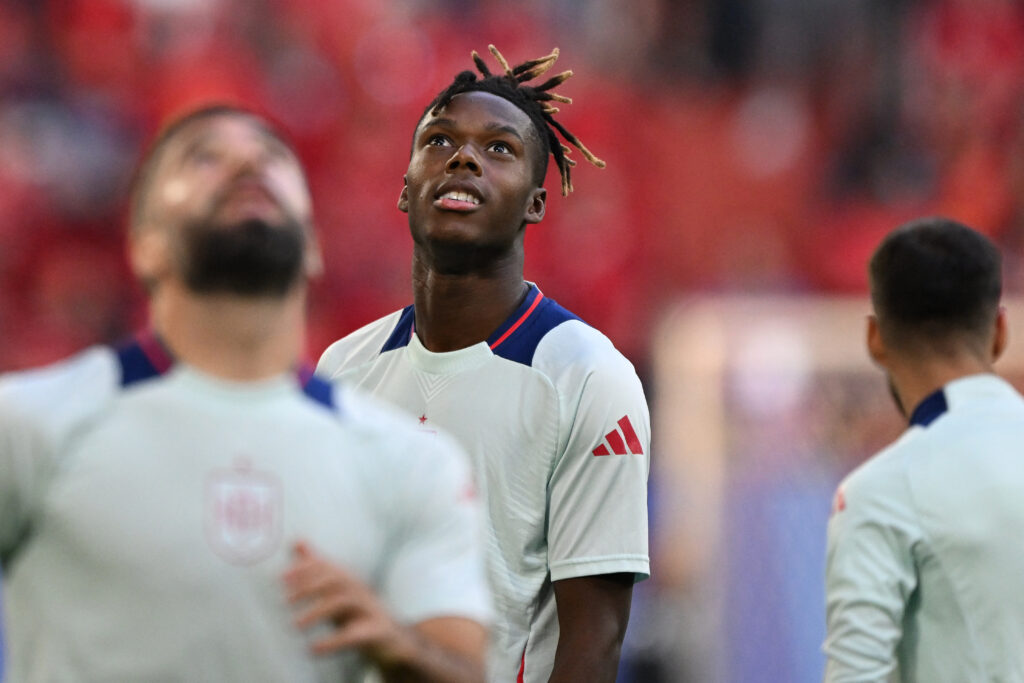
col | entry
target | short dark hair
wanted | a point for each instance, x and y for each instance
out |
(934, 282)
(532, 100)
(151, 158)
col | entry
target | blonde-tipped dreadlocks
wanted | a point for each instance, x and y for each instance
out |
(532, 100)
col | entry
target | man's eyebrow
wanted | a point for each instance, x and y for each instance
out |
(195, 143)
(504, 128)
(492, 127)
(277, 144)
(272, 141)
(442, 122)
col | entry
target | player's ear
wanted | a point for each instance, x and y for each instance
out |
(537, 206)
(403, 198)
(876, 347)
(149, 253)
(1002, 335)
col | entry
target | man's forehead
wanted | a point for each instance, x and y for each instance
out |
(215, 126)
(495, 109)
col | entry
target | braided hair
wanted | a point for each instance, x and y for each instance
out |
(533, 100)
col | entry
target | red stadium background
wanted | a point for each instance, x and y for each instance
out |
(751, 146)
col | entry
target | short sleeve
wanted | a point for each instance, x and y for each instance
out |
(597, 520)
(25, 454)
(38, 409)
(870, 577)
(436, 565)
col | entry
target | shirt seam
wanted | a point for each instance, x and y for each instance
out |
(600, 559)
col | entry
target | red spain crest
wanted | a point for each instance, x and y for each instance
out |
(243, 513)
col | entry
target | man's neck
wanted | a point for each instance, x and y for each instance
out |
(454, 311)
(228, 336)
(919, 379)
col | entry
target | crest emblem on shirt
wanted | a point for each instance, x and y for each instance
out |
(243, 513)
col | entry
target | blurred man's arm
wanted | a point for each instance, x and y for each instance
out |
(869, 579)
(442, 650)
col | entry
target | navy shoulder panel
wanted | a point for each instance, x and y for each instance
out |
(402, 333)
(320, 391)
(143, 358)
(517, 339)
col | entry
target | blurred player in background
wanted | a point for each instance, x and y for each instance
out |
(552, 414)
(924, 552)
(179, 508)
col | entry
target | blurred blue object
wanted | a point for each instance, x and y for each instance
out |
(774, 612)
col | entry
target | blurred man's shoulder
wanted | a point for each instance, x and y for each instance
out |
(55, 400)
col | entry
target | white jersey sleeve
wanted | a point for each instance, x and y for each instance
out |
(33, 428)
(597, 520)
(25, 453)
(870, 571)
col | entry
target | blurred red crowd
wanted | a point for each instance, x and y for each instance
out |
(777, 172)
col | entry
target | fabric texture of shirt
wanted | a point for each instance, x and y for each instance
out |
(555, 421)
(148, 512)
(924, 547)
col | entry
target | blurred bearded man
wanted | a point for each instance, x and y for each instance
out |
(195, 505)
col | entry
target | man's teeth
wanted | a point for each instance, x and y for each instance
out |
(461, 197)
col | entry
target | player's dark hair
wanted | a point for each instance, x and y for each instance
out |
(144, 172)
(934, 281)
(533, 100)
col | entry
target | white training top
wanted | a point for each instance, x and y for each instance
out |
(147, 514)
(926, 547)
(556, 423)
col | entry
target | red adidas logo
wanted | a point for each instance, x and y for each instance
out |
(618, 441)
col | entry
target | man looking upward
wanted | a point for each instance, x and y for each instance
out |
(924, 552)
(553, 416)
(193, 506)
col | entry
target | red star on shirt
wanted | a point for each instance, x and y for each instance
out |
(423, 419)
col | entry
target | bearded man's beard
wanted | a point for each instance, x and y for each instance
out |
(253, 258)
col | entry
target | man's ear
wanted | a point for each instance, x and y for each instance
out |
(1002, 334)
(875, 344)
(537, 206)
(403, 198)
(149, 253)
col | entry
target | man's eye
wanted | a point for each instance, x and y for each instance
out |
(501, 148)
(203, 156)
(439, 141)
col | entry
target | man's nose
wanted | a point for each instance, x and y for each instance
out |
(251, 158)
(463, 157)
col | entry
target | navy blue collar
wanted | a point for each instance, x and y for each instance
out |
(145, 357)
(928, 410)
(516, 339)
